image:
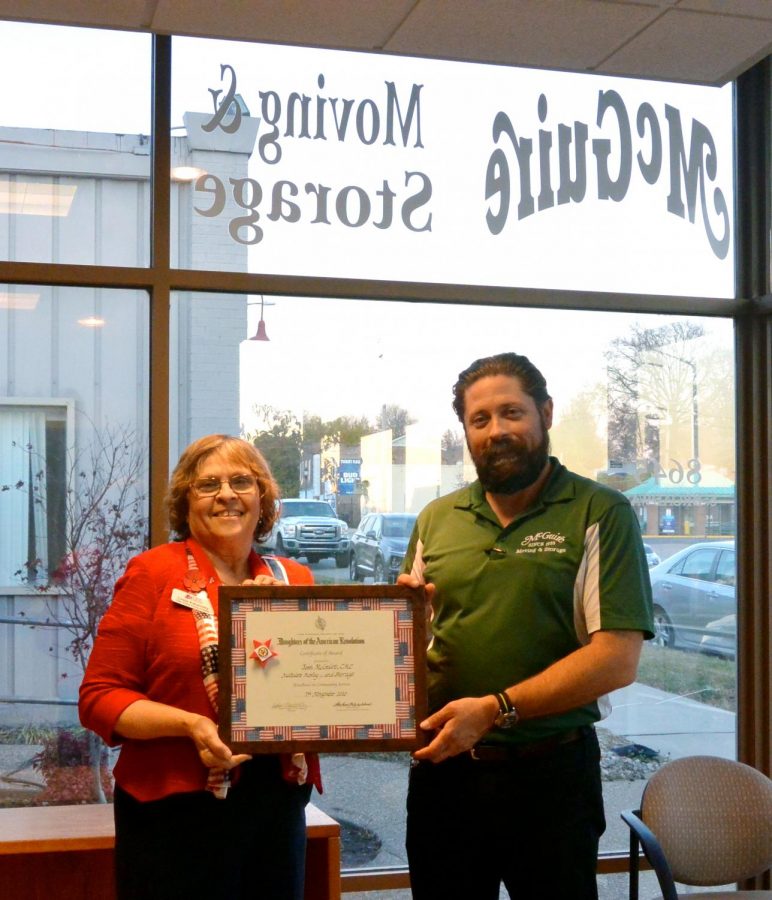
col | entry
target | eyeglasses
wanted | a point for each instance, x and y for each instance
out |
(239, 484)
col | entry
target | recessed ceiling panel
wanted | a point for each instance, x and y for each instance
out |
(692, 46)
(344, 23)
(579, 33)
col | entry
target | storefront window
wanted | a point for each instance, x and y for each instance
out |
(396, 168)
(299, 162)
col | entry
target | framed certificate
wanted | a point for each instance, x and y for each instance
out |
(330, 668)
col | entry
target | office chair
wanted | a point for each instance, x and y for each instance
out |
(703, 821)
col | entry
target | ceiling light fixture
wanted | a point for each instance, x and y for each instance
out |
(27, 198)
(18, 301)
(187, 173)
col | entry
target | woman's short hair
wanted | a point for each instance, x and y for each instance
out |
(512, 364)
(241, 453)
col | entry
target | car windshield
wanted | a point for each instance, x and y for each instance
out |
(399, 526)
(306, 508)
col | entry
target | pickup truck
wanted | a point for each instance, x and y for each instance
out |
(309, 528)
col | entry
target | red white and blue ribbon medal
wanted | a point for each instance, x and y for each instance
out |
(263, 652)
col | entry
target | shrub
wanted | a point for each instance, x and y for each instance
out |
(65, 762)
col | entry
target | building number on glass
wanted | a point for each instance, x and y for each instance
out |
(677, 472)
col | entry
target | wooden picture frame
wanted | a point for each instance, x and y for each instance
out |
(326, 668)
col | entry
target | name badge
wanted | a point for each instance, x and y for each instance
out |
(199, 602)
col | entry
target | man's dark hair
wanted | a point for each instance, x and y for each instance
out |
(511, 364)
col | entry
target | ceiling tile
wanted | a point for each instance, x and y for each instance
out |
(708, 41)
(364, 24)
(571, 34)
(759, 9)
(693, 46)
(126, 14)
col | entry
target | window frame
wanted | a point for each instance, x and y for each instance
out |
(751, 309)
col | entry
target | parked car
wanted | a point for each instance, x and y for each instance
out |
(309, 528)
(378, 546)
(691, 590)
(651, 556)
(720, 638)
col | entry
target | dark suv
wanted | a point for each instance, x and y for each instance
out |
(378, 546)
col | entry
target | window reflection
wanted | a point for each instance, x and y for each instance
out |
(75, 164)
(73, 510)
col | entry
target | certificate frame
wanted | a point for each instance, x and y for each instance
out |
(237, 672)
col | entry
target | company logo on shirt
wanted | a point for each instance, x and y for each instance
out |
(542, 542)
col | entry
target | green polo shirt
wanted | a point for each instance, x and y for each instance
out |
(511, 601)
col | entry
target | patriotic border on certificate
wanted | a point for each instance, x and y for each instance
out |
(409, 616)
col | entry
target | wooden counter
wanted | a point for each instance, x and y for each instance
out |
(66, 852)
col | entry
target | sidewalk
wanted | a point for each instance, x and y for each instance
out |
(672, 725)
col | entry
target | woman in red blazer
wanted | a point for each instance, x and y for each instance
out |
(192, 819)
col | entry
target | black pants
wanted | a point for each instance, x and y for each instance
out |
(533, 823)
(193, 846)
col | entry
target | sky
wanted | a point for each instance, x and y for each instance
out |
(347, 357)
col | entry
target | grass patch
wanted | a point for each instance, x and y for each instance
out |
(325, 578)
(706, 679)
(26, 734)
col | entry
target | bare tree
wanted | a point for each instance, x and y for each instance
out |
(104, 524)
(451, 447)
(395, 417)
(652, 380)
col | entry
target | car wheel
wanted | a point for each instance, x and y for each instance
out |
(280, 551)
(664, 635)
(342, 560)
(353, 572)
(379, 575)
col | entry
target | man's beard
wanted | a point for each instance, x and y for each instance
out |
(507, 466)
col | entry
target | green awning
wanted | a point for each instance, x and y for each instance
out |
(661, 491)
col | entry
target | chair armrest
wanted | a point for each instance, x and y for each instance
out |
(640, 832)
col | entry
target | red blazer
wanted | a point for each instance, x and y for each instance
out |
(148, 648)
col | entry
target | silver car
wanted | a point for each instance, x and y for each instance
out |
(691, 590)
(651, 556)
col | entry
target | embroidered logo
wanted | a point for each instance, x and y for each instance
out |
(542, 542)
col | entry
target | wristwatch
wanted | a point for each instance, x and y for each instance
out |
(508, 716)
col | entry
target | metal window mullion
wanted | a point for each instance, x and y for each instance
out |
(753, 331)
(160, 290)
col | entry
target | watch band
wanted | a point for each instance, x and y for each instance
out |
(508, 716)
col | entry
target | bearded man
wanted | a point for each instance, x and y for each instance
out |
(540, 602)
